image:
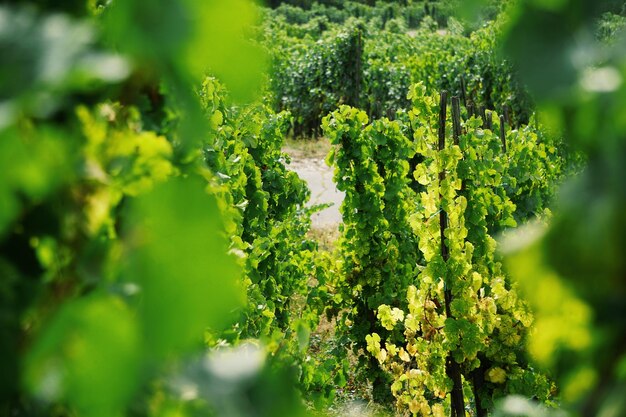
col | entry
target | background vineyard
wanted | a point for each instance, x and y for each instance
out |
(156, 253)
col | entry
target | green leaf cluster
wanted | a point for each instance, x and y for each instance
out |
(462, 306)
(377, 248)
(286, 278)
(318, 66)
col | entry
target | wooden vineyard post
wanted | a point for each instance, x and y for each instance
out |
(477, 376)
(472, 109)
(503, 134)
(443, 216)
(357, 77)
(456, 127)
(456, 119)
(453, 369)
(488, 120)
(507, 114)
(463, 95)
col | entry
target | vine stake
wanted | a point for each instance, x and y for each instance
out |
(453, 370)
(503, 134)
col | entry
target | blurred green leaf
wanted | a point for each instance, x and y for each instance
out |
(187, 39)
(41, 160)
(44, 58)
(562, 320)
(187, 281)
(88, 355)
(518, 406)
(220, 45)
(469, 10)
(554, 5)
(303, 333)
(540, 46)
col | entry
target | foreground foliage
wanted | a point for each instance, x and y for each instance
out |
(154, 258)
(123, 243)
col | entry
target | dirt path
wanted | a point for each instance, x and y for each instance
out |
(307, 160)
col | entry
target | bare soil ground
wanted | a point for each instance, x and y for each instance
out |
(308, 161)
